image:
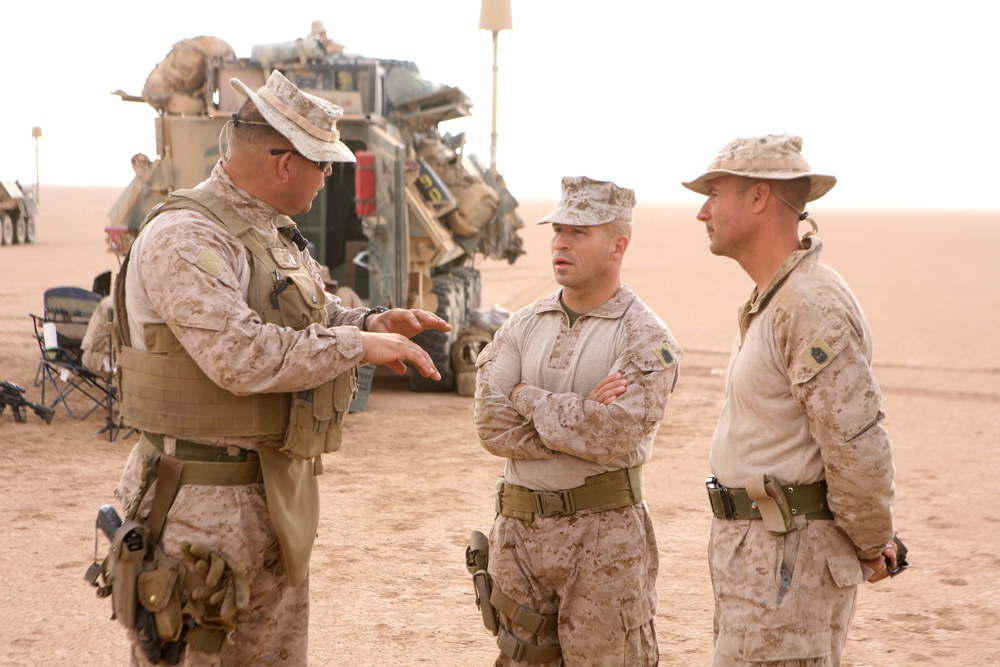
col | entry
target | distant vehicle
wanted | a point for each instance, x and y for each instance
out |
(402, 227)
(17, 214)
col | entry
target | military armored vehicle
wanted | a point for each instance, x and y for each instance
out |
(17, 214)
(403, 227)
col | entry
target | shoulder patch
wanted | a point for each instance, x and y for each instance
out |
(817, 354)
(209, 262)
(665, 354)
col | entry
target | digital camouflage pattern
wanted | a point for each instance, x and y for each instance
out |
(801, 404)
(601, 568)
(597, 570)
(188, 272)
(234, 521)
(586, 202)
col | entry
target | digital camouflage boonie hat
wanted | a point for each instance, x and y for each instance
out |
(772, 156)
(585, 202)
(307, 121)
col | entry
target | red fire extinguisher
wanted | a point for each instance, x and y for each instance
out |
(364, 183)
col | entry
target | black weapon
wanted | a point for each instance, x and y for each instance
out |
(13, 395)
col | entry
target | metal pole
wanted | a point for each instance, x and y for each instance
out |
(36, 132)
(493, 136)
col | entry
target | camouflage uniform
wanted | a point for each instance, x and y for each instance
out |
(802, 405)
(596, 569)
(209, 315)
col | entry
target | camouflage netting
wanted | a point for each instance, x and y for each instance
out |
(177, 83)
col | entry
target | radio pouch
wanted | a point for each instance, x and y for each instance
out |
(769, 496)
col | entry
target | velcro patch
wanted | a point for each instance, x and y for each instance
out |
(284, 258)
(209, 262)
(817, 354)
(665, 355)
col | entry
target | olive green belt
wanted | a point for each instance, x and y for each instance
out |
(599, 493)
(206, 465)
(803, 499)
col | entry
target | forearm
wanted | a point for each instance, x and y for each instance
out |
(860, 487)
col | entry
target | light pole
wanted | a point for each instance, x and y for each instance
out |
(494, 15)
(36, 132)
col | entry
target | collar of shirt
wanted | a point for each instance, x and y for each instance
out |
(262, 216)
(613, 308)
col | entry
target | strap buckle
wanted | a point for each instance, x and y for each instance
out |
(718, 496)
(550, 503)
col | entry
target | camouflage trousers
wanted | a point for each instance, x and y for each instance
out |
(596, 570)
(233, 520)
(782, 600)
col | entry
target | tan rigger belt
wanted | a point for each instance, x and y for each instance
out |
(205, 467)
(804, 499)
(599, 493)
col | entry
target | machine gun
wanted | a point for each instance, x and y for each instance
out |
(13, 395)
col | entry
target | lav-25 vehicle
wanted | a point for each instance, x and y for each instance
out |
(17, 214)
(403, 227)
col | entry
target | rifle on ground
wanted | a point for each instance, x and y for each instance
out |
(13, 395)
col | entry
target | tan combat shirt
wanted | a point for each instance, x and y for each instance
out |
(801, 402)
(188, 272)
(553, 437)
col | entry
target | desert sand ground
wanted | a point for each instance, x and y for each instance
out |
(389, 586)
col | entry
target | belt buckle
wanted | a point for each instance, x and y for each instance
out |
(549, 503)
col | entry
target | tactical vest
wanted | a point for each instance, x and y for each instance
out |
(164, 391)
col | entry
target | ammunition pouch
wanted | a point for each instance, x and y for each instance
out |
(492, 600)
(315, 424)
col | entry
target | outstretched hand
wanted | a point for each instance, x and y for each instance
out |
(405, 322)
(393, 351)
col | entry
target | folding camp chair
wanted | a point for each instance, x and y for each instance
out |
(60, 332)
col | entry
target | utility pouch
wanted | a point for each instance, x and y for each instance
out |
(123, 565)
(317, 415)
(769, 496)
(294, 302)
(160, 593)
(476, 559)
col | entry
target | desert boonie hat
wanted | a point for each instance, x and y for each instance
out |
(585, 202)
(307, 121)
(771, 156)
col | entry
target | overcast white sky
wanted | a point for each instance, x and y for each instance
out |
(897, 99)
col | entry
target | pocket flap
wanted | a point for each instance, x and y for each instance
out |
(636, 613)
(156, 588)
(845, 570)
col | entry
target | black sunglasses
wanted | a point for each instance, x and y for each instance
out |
(323, 166)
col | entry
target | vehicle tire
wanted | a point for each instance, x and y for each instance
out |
(437, 344)
(473, 289)
(29, 226)
(6, 230)
(20, 229)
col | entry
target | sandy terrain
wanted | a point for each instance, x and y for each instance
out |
(389, 586)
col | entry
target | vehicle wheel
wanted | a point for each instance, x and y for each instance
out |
(473, 288)
(29, 226)
(438, 343)
(6, 230)
(20, 231)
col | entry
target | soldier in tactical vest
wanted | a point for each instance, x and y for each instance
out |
(570, 393)
(238, 368)
(802, 486)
